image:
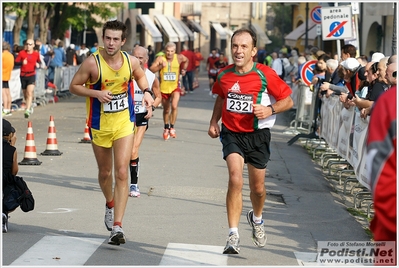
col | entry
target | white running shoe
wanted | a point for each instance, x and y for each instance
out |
(109, 218)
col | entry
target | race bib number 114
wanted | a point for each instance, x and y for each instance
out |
(117, 104)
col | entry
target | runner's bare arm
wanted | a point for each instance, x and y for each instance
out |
(157, 92)
(214, 128)
(157, 65)
(262, 112)
(88, 71)
(141, 80)
(183, 59)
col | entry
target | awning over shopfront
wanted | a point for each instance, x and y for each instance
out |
(220, 30)
(228, 32)
(179, 26)
(293, 36)
(150, 27)
(180, 32)
(197, 28)
(261, 35)
(312, 35)
(165, 26)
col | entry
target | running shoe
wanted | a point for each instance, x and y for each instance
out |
(258, 231)
(27, 114)
(5, 223)
(134, 190)
(117, 236)
(109, 218)
(232, 244)
(166, 134)
(173, 133)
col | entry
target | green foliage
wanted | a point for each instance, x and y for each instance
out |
(19, 8)
(77, 15)
(282, 25)
(277, 43)
(283, 18)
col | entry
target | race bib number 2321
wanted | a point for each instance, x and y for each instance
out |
(239, 103)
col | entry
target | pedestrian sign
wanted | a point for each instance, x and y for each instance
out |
(336, 23)
(307, 72)
(336, 29)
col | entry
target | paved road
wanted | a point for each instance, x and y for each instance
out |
(180, 218)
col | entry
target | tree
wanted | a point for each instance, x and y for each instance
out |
(58, 17)
(279, 20)
(81, 15)
(20, 9)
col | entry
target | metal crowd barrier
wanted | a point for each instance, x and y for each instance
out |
(304, 111)
(340, 144)
(62, 79)
(346, 132)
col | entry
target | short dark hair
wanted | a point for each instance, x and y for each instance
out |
(349, 49)
(117, 26)
(246, 30)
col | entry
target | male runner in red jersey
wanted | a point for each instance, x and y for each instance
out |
(249, 96)
(29, 59)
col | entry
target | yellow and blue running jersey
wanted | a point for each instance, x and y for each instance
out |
(108, 116)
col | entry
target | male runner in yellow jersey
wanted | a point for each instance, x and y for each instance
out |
(168, 66)
(105, 79)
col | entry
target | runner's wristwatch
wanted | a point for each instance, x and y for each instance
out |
(273, 111)
(149, 91)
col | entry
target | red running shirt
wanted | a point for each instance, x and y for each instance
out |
(381, 165)
(261, 85)
(28, 69)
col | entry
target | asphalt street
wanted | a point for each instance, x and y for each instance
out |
(180, 218)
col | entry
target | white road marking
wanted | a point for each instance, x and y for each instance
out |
(188, 254)
(59, 251)
(61, 210)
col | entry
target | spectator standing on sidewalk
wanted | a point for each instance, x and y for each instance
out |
(143, 115)
(29, 61)
(249, 97)
(59, 59)
(188, 79)
(71, 55)
(7, 60)
(168, 65)
(111, 117)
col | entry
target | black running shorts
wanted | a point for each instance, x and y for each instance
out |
(141, 121)
(254, 147)
(27, 80)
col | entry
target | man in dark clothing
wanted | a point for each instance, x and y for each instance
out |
(71, 55)
(10, 164)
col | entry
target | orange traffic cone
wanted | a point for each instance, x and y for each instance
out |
(86, 137)
(30, 157)
(51, 146)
